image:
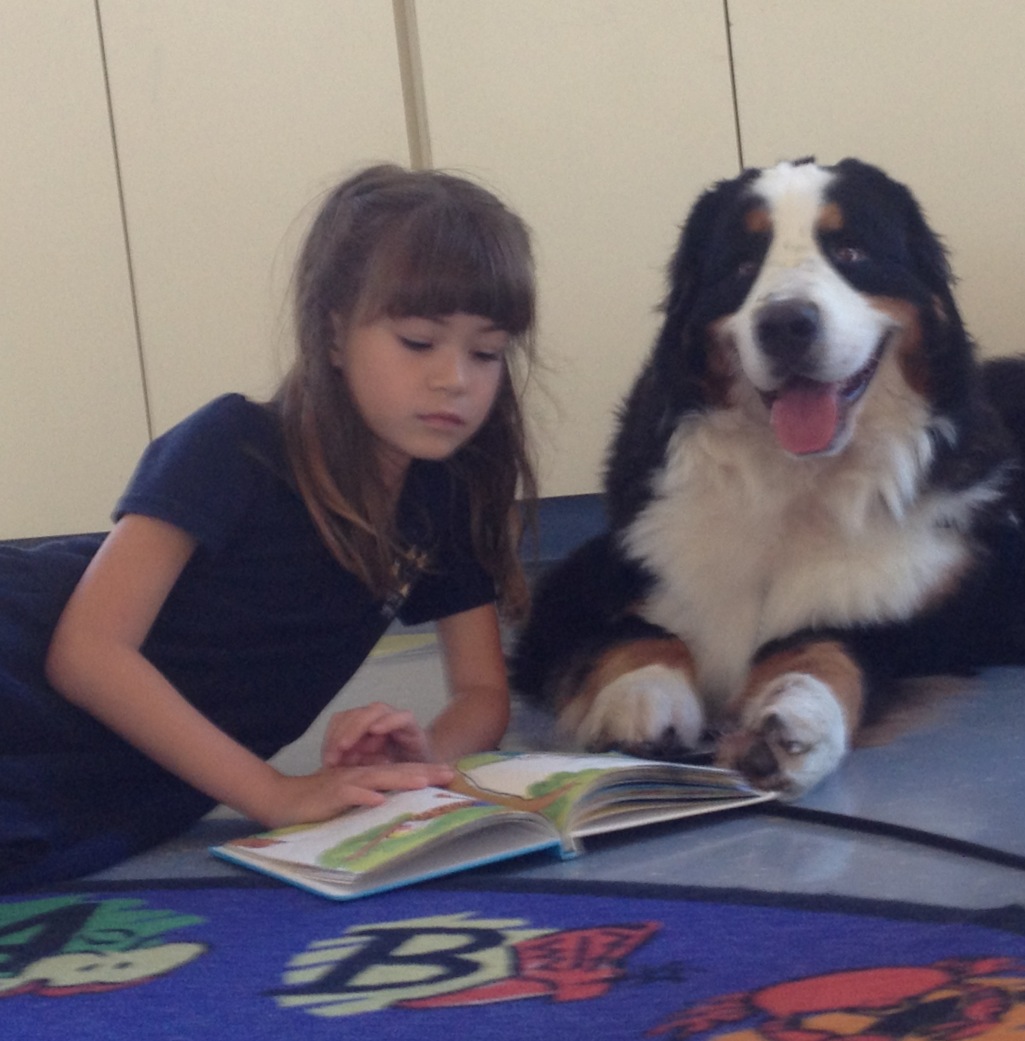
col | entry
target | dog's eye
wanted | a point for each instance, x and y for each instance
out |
(746, 268)
(845, 253)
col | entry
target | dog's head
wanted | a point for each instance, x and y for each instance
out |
(793, 288)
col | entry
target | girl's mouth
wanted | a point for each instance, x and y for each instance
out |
(443, 420)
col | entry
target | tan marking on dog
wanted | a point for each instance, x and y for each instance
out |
(831, 217)
(916, 703)
(948, 587)
(719, 376)
(826, 660)
(758, 221)
(618, 661)
(910, 357)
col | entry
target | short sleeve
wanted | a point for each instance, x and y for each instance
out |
(202, 475)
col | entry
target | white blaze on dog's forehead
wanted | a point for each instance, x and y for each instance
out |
(795, 196)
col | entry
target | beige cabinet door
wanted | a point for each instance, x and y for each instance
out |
(72, 416)
(600, 122)
(232, 119)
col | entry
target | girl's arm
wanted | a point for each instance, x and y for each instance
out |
(477, 714)
(95, 661)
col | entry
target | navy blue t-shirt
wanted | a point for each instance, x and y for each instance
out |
(264, 626)
(260, 632)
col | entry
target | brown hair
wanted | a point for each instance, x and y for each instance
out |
(393, 242)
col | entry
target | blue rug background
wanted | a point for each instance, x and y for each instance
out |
(257, 960)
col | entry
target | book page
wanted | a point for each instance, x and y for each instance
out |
(577, 789)
(364, 839)
(545, 782)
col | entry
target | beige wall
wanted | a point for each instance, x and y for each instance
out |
(72, 416)
(161, 160)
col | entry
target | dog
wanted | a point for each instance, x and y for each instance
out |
(814, 490)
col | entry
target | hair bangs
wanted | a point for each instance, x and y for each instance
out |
(441, 263)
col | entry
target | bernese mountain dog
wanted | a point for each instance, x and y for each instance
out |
(813, 492)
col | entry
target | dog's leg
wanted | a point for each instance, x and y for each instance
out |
(796, 717)
(638, 698)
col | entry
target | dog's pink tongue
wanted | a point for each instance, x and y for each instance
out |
(805, 416)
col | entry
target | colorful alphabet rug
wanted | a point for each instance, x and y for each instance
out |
(481, 957)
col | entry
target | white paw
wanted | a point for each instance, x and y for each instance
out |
(650, 711)
(792, 735)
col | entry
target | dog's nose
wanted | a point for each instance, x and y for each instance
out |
(787, 329)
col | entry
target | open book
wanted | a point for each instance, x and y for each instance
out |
(500, 805)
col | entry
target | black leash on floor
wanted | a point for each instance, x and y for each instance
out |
(901, 832)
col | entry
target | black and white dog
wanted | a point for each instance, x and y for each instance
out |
(814, 491)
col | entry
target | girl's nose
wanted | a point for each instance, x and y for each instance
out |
(448, 371)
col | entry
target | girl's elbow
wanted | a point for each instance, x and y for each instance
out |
(55, 665)
(63, 666)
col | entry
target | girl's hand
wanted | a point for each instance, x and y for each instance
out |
(373, 735)
(330, 791)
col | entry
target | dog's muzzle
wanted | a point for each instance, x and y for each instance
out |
(809, 415)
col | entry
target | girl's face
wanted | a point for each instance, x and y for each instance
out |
(424, 386)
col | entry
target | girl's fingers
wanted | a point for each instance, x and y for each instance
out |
(363, 736)
(394, 720)
(329, 792)
(349, 726)
(346, 729)
(413, 747)
(364, 785)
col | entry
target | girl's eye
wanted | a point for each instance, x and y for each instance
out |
(487, 356)
(414, 345)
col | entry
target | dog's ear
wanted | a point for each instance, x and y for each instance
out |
(680, 358)
(926, 249)
(953, 383)
(672, 379)
(930, 262)
(686, 269)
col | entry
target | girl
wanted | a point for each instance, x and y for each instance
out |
(260, 551)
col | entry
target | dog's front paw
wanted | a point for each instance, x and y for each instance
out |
(652, 712)
(792, 734)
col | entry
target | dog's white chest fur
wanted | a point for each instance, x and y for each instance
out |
(752, 544)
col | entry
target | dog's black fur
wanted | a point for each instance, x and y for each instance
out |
(812, 372)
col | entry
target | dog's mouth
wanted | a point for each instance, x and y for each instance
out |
(809, 417)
